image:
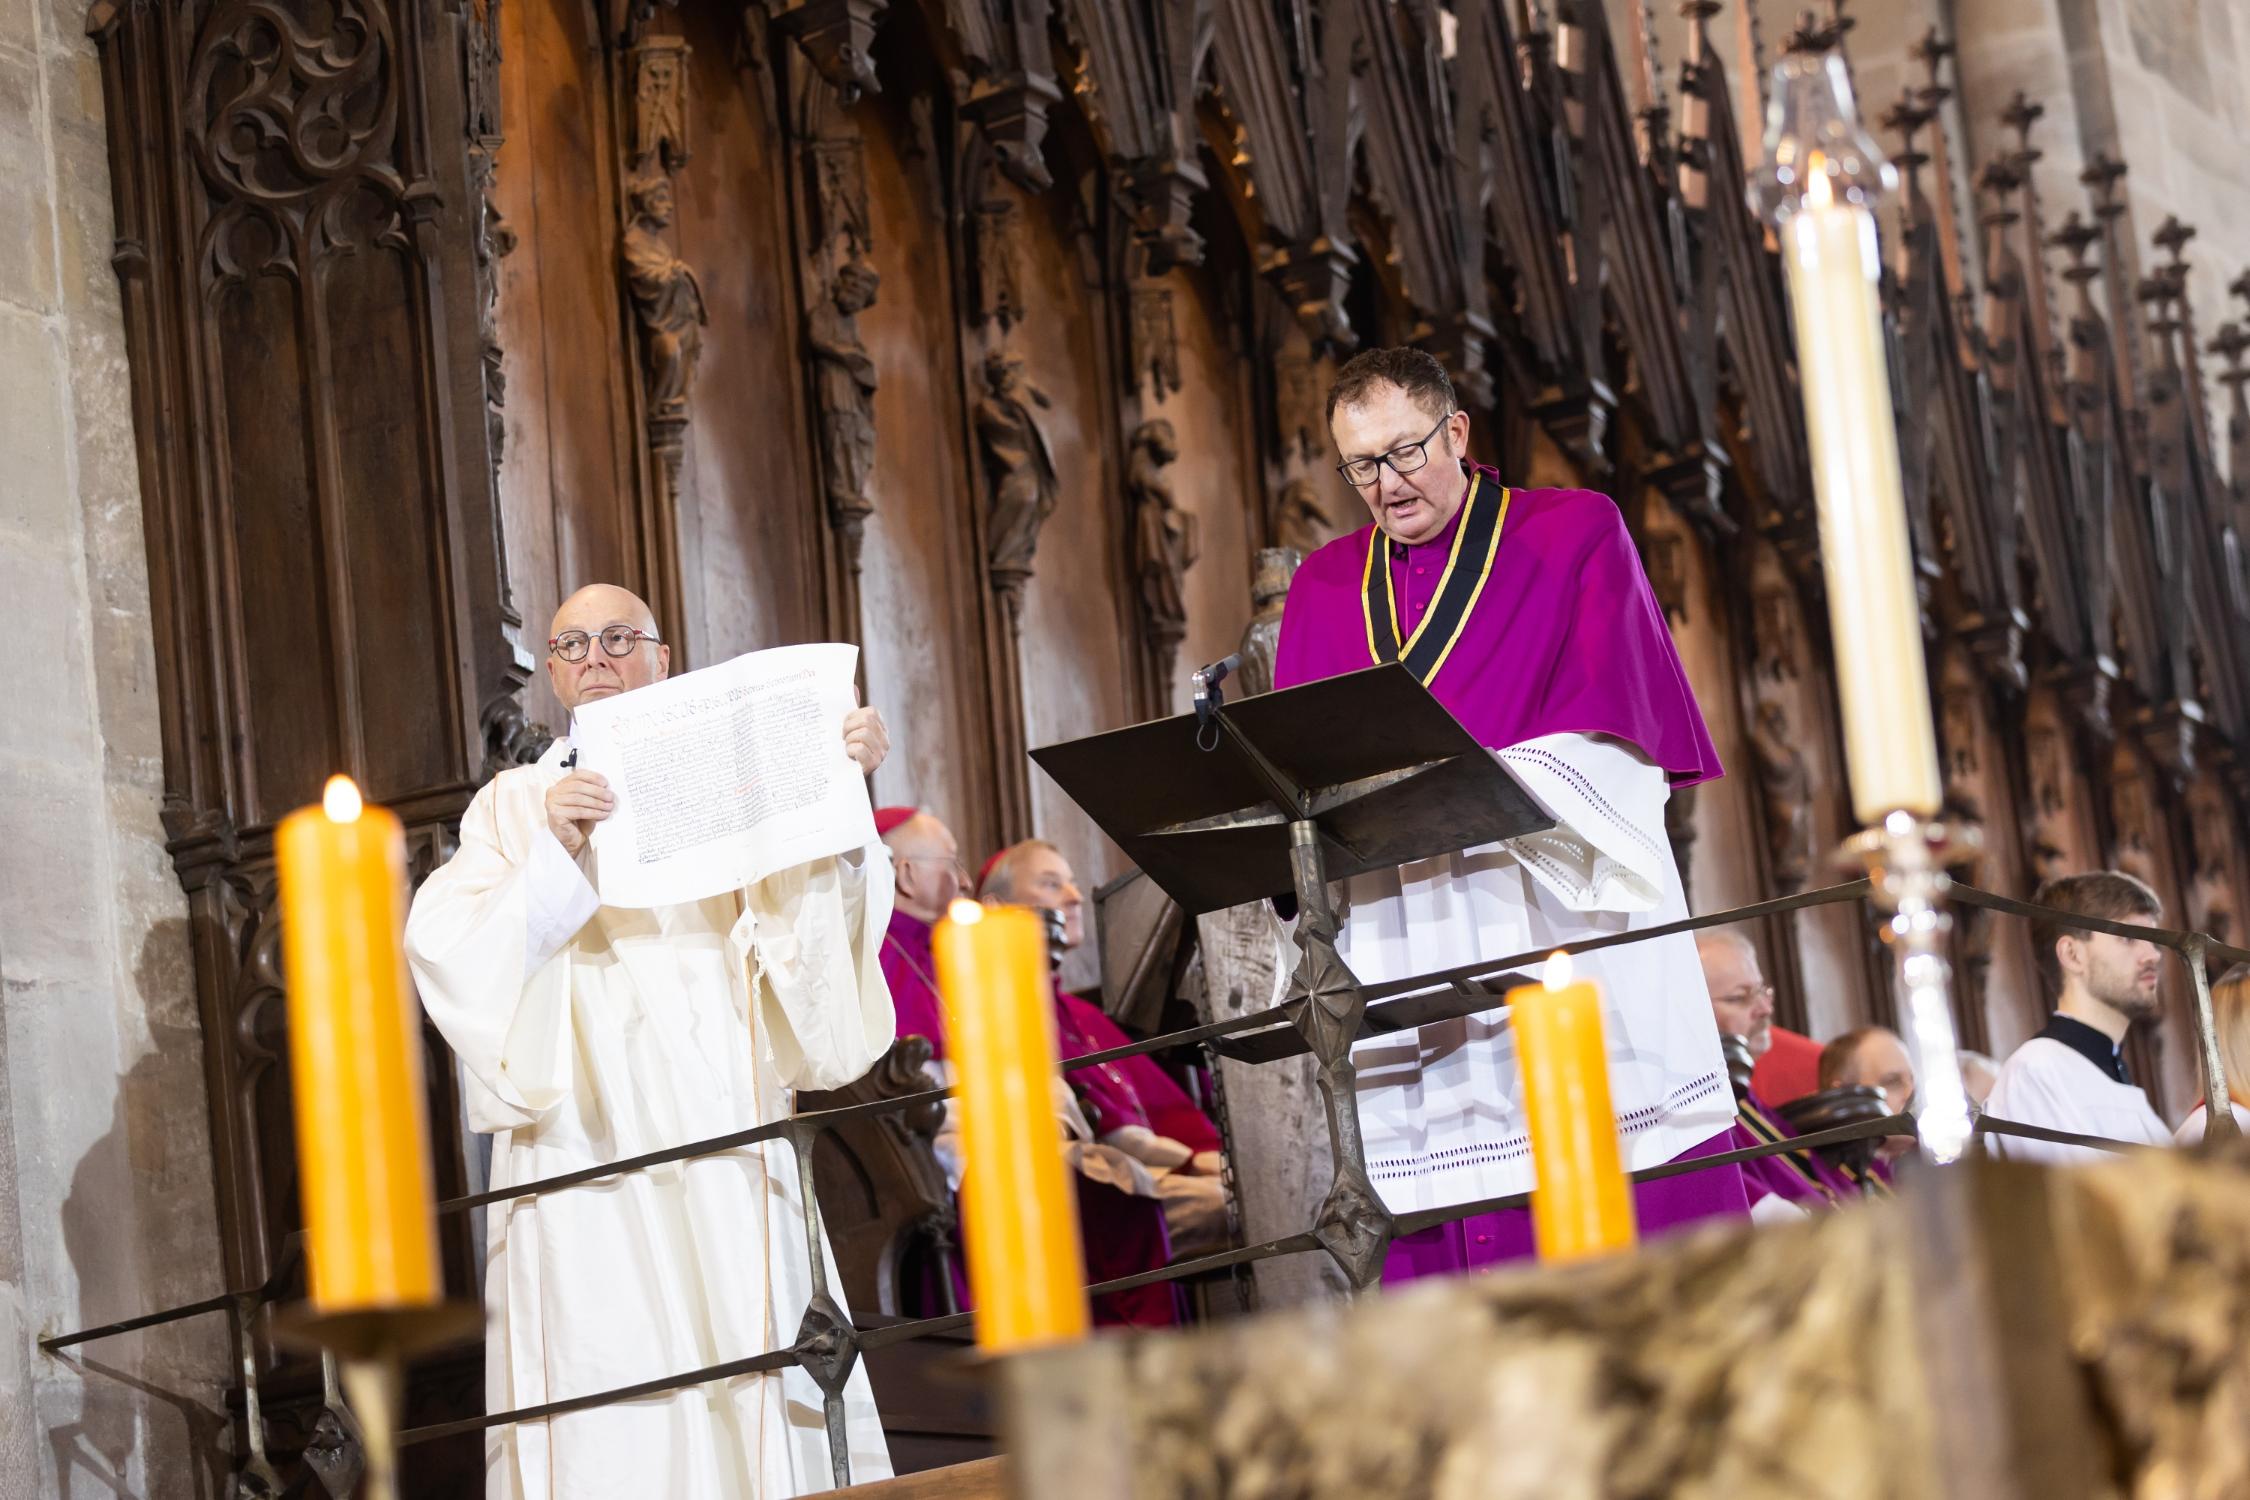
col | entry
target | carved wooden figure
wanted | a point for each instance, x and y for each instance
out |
(1019, 472)
(660, 136)
(1269, 592)
(1156, 343)
(1786, 788)
(667, 299)
(1299, 523)
(1165, 540)
(844, 383)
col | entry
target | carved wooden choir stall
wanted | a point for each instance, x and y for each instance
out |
(993, 335)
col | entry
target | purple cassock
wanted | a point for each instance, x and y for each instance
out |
(1802, 1177)
(1565, 637)
(1529, 616)
(1122, 1234)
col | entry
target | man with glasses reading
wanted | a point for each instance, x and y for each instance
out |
(589, 1034)
(1526, 613)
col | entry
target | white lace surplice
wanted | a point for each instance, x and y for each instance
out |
(1440, 1106)
(588, 1034)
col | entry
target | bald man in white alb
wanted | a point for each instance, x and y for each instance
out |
(592, 1033)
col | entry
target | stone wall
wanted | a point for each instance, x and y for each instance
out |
(106, 1205)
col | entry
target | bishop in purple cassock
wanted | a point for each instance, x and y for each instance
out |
(1527, 614)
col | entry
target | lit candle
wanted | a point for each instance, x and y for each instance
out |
(1583, 1204)
(1821, 175)
(355, 1057)
(1019, 1218)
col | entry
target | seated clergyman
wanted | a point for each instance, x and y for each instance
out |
(1138, 1108)
(1789, 1183)
(590, 1033)
(1874, 1057)
(1127, 1214)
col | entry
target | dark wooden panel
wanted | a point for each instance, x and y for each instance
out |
(392, 528)
(922, 593)
(1080, 627)
(287, 736)
(590, 452)
(1216, 476)
(293, 263)
(526, 480)
(570, 471)
(749, 506)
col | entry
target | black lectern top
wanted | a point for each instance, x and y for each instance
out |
(1370, 758)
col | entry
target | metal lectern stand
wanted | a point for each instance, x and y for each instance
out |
(1281, 793)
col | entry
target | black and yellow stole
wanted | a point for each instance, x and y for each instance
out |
(1469, 567)
(1767, 1133)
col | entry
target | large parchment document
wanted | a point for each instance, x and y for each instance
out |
(725, 776)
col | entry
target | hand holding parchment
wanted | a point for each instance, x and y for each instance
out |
(574, 805)
(866, 739)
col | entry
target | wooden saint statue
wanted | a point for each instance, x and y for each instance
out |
(844, 385)
(666, 297)
(1019, 467)
(1787, 787)
(1165, 539)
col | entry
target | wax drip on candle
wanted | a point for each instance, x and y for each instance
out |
(340, 800)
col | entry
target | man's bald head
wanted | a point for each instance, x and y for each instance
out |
(926, 862)
(606, 603)
(596, 608)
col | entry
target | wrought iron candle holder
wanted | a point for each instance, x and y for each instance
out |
(370, 1347)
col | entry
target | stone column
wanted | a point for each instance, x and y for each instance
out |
(106, 1205)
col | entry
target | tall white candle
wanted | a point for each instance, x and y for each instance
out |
(1821, 175)
(1828, 252)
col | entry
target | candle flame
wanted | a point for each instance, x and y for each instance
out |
(1558, 970)
(341, 800)
(1818, 193)
(965, 911)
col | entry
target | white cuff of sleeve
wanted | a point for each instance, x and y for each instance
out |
(1607, 851)
(558, 900)
(1148, 1148)
(1775, 1209)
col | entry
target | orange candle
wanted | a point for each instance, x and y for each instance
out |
(1583, 1205)
(1019, 1217)
(355, 1057)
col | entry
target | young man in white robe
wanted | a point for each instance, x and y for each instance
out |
(591, 1033)
(2072, 1075)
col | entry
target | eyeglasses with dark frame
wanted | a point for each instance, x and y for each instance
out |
(1404, 459)
(617, 640)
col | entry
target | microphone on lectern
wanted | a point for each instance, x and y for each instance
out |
(1208, 698)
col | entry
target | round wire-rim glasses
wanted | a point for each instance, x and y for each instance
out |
(617, 640)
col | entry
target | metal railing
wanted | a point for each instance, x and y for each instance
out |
(828, 1345)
